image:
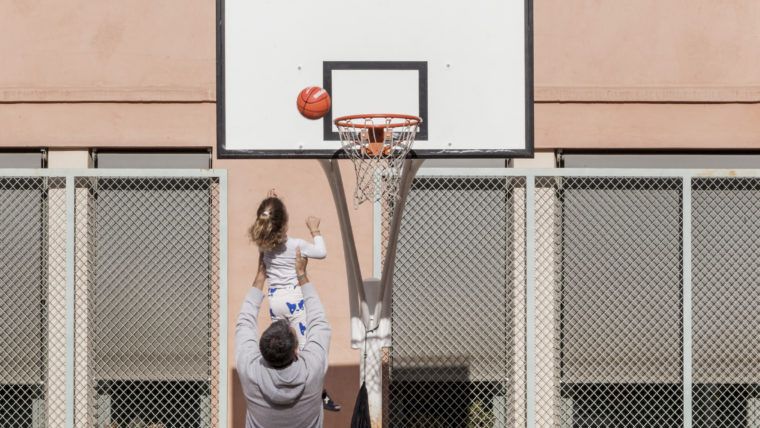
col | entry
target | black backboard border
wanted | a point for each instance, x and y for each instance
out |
(224, 153)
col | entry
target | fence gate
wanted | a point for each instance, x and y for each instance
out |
(113, 298)
(577, 298)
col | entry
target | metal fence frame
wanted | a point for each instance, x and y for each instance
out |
(70, 175)
(530, 175)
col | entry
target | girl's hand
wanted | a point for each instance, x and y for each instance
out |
(301, 263)
(272, 194)
(313, 224)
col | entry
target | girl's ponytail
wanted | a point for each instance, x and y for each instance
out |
(269, 230)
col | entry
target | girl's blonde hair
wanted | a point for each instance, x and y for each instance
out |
(269, 231)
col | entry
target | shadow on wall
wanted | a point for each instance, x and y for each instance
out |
(341, 381)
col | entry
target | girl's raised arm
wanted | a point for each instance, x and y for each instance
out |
(317, 250)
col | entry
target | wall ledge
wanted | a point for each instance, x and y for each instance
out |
(648, 94)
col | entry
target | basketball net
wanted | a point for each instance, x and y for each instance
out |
(377, 145)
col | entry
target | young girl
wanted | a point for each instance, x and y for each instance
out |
(269, 232)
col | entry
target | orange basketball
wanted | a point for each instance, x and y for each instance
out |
(313, 102)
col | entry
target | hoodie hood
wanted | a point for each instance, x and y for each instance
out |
(283, 386)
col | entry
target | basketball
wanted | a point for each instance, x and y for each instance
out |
(313, 102)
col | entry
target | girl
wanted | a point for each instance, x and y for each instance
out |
(269, 232)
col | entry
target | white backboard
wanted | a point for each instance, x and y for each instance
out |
(464, 67)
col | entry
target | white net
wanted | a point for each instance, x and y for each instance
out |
(377, 146)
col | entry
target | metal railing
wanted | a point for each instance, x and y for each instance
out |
(576, 298)
(113, 298)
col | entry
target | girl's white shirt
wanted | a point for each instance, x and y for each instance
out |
(281, 263)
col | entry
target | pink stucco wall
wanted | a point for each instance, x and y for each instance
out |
(676, 74)
(673, 50)
(609, 74)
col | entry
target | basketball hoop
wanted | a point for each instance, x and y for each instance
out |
(377, 145)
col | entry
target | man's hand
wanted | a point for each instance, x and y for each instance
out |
(313, 224)
(261, 274)
(301, 263)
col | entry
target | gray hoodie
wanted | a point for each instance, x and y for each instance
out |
(290, 397)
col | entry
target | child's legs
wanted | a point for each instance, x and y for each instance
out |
(287, 304)
(298, 323)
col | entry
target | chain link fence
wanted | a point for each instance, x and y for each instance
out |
(31, 294)
(146, 337)
(726, 321)
(609, 301)
(457, 303)
(615, 343)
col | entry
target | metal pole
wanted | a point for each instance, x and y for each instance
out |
(70, 298)
(687, 296)
(530, 301)
(356, 296)
(223, 303)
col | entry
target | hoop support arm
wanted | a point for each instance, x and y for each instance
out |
(356, 296)
(411, 166)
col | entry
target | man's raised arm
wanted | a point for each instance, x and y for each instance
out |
(247, 329)
(317, 328)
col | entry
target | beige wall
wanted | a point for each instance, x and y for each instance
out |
(647, 74)
(614, 56)
(79, 50)
(647, 50)
(609, 74)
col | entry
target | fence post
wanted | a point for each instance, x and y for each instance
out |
(687, 296)
(530, 301)
(70, 297)
(223, 301)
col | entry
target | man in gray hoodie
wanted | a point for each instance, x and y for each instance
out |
(282, 385)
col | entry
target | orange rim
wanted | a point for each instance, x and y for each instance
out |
(347, 121)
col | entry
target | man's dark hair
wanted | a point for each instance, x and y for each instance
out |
(278, 344)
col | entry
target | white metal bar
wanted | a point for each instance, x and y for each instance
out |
(70, 298)
(530, 302)
(433, 172)
(587, 172)
(126, 172)
(687, 301)
(223, 296)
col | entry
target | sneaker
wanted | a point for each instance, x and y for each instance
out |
(328, 403)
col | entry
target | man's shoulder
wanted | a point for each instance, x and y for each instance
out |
(248, 367)
(312, 359)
